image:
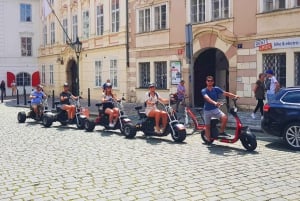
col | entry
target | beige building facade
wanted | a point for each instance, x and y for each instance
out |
(232, 40)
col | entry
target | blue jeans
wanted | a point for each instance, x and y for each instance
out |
(270, 97)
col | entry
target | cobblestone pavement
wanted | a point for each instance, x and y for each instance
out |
(63, 163)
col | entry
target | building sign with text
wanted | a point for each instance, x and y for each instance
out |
(266, 44)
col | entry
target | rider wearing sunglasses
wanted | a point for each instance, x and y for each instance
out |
(211, 105)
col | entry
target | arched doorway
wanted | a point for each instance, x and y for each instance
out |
(210, 61)
(71, 72)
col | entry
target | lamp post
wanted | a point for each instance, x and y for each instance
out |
(77, 46)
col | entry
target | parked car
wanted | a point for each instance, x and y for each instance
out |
(282, 116)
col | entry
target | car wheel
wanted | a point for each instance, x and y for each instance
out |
(291, 135)
(21, 117)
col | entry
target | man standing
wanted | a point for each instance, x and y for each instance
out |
(272, 85)
(180, 93)
(211, 106)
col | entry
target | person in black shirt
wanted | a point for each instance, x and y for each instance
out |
(65, 101)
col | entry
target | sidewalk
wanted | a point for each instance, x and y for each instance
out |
(254, 124)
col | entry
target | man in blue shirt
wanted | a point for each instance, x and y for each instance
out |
(36, 97)
(211, 106)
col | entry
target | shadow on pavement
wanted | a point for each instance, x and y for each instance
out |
(224, 150)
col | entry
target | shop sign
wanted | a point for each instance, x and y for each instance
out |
(266, 44)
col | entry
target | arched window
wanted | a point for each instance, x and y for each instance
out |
(23, 79)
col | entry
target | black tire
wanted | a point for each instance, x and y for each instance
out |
(47, 120)
(89, 125)
(249, 141)
(129, 130)
(21, 117)
(291, 135)
(80, 123)
(178, 135)
(204, 139)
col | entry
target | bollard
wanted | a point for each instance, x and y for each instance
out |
(1, 96)
(24, 92)
(52, 99)
(18, 101)
(89, 97)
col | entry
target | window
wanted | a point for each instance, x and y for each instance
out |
(292, 97)
(161, 74)
(52, 33)
(113, 71)
(26, 46)
(220, 9)
(23, 79)
(144, 69)
(197, 11)
(51, 75)
(74, 27)
(85, 24)
(297, 69)
(269, 5)
(115, 12)
(297, 3)
(100, 20)
(45, 35)
(98, 71)
(160, 17)
(276, 62)
(144, 20)
(43, 78)
(65, 30)
(25, 12)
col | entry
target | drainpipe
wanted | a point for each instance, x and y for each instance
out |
(127, 35)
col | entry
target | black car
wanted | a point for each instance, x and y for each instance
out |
(282, 116)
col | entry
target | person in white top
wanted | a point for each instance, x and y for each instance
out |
(151, 98)
(108, 105)
(272, 85)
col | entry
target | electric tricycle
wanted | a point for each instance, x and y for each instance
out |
(123, 123)
(147, 124)
(42, 109)
(62, 116)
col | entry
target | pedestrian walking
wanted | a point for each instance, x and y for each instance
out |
(259, 91)
(13, 88)
(271, 84)
(180, 94)
(3, 88)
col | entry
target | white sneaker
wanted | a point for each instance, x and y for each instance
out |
(261, 117)
(253, 116)
(111, 125)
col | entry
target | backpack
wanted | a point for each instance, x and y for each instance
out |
(145, 104)
(268, 84)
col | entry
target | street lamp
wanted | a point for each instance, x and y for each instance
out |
(77, 46)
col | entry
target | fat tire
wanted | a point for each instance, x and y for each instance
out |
(21, 117)
(291, 135)
(47, 120)
(129, 130)
(204, 139)
(89, 125)
(80, 122)
(248, 141)
(178, 135)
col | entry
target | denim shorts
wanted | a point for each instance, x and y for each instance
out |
(208, 114)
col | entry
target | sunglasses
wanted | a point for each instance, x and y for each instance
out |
(209, 80)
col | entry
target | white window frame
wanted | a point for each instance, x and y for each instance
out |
(52, 33)
(65, 26)
(271, 5)
(43, 74)
(51, 74)
(144, 20)
(99, 20)
(98, 73)
(45, 35)
(222, 12)
(113, 72)
(74, 27)
(198, 11)
(25, 12)
(85, 24)
(26, 46)
(115, 15)
(159, 23)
